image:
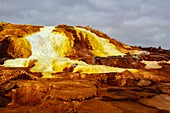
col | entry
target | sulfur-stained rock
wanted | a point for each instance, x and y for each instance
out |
(19, 48)
(75, 69)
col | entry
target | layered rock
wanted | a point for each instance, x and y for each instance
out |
(78, 69)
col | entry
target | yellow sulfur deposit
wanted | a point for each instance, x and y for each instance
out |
(49, 50)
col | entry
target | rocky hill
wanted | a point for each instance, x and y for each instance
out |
(78, 69)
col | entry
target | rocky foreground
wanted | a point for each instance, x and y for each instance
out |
(83, 78)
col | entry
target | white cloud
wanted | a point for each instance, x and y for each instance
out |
(135, 22)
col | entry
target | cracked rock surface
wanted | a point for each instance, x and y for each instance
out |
(30, 93)
(128, 79)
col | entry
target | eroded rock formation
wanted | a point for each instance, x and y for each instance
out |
(54, 69)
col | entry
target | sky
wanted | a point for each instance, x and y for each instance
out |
(143, 23)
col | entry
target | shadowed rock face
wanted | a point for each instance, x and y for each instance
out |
(78, 69)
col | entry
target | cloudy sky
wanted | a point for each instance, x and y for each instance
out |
(134, 22)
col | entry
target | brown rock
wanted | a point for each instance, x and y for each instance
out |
(54, 106)
(155, 75)
(161, 102)
(97, 106)
(124, 94)
(30, 93)
(4, 101)
(144, 83)
(15, 109)
(118, 92)
(72, 90)
(7, 74)
(34, 92)
(165, 87)
(133, 107)
(126, 78)
(127, 61)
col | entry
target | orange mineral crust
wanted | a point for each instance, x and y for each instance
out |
(54, 69)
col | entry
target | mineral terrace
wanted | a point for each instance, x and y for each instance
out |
(76, 69)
